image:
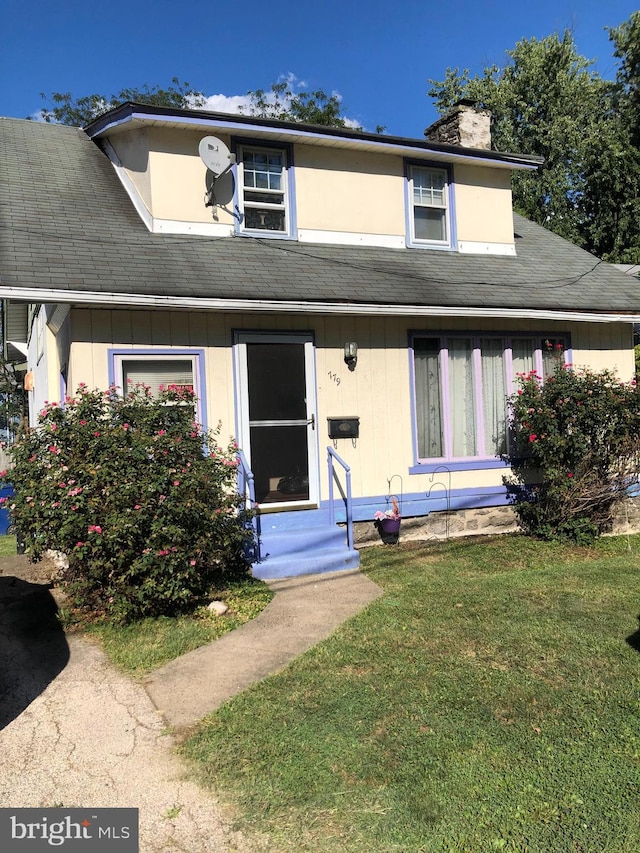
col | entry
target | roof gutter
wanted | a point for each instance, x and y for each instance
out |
(293, 131)
(272, 306)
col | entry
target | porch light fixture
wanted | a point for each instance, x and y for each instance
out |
(351, 354)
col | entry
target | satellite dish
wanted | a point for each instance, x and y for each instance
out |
(215, 155)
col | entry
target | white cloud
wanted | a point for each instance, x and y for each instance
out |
(224, 103)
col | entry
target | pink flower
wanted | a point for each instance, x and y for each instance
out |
(163, 553)
(137, 506)
(79, 544)
(176, 482)
(532, 437)
(83, 423)
(54, 427)
(569, 474)
(192, 562)
(95, 528)
(162, 432)
(125, 426)
(53, 449)
(96, 433)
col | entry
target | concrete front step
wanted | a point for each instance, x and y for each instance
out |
(302, 542)
(277, 543)
(306, 563)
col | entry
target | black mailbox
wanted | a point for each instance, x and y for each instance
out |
(344, 427)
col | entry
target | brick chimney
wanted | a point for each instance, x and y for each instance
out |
(463, 125)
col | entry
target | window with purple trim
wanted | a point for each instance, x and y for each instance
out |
(461, 387)
(263, 189)
(429, 194)
(158, 372)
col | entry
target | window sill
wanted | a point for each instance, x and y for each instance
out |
(438, 247)
(264, 235)
(459, 465)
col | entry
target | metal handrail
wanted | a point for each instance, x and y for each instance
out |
(331, 455)
(246, 479)
(247, 487)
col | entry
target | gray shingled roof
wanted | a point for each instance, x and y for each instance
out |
(66, 222)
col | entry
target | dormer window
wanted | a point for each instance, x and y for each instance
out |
(263, 190)
(429, 206)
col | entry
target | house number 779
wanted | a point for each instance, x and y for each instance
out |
(334, 376)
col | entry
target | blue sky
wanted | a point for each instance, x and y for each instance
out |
(377, 54)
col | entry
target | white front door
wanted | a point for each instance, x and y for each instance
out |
(276, 398)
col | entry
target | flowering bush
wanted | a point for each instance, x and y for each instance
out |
(141, 501)
(575, 451)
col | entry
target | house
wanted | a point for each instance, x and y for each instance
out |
(351, 306)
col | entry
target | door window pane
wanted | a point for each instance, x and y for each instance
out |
(279, 460)
(276, 381)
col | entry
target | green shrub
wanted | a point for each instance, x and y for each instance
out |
(141, 501)
(575, 450)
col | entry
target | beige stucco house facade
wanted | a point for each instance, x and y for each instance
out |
(327, 291)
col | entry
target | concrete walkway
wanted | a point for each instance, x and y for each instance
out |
(76, 732)
(303, 611)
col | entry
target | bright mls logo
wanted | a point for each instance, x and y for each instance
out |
(79, 830)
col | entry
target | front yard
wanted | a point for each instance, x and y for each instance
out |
(490, 700)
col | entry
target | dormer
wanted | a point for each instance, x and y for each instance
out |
(311, 183)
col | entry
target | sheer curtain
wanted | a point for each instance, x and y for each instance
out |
(494, 396)
(428, 397)
(522, 355)
(461, 397)
(157, 373)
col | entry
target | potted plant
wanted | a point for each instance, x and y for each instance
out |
(388, 523)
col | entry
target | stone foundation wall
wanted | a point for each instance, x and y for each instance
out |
(476, 522)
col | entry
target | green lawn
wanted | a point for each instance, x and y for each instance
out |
(7, 546)
(490, 700)
(140, 647)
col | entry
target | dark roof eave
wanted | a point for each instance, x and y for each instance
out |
(125, 112)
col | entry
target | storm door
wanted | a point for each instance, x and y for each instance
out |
(277, 428)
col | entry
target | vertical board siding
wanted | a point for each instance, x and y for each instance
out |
(378, 391)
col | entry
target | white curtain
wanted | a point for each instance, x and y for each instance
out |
(494, 396)
(428, 397)
(461, 397)
(157, 372)
(522, 355)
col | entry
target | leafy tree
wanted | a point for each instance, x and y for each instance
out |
(280, 102)
(626, 39)
(547, 100)
(142, 503)
(65, 109)
(612, 165)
